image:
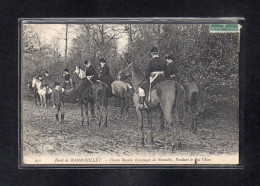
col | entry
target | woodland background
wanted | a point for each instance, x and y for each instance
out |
(211, 60)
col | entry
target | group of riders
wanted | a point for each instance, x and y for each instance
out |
(158, 70)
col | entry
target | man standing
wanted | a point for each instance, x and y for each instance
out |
(155, 73)
(58, 102)
(172, 70)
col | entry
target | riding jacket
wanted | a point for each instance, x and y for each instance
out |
(104, 75)
(91, 72)
(156, 71)
(156, 64)
(172, 71)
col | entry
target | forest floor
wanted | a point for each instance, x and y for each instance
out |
(41, 135)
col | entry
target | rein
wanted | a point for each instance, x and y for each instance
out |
(127, 68)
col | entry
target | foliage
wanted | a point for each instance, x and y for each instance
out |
(208, 59)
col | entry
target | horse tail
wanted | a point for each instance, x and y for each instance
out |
(193, 98)
(180, 99)
(115, 90)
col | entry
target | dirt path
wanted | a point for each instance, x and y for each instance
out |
(41, 135)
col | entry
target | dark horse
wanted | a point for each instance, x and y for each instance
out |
(33, 91)
(166, 95)
(88, 95)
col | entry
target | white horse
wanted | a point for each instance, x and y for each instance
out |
(42, 91)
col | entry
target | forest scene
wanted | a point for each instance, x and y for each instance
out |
(210, 60)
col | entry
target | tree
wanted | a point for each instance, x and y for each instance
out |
(30, 39)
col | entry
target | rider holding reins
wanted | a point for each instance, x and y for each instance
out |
(172, 70)
(91, 73)
(155, 73)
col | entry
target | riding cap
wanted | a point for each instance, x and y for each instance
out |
(168, 56)
(154, 50)
(102, 60)
(86, 62)
(66, 70)
(46, 72)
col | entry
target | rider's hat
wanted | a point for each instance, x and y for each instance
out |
(154, 50)
(66, 70)
(102, 60)
(86, 61)
(168, 56)
(46, 72)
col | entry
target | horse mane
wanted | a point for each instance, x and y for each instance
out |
(138, 70)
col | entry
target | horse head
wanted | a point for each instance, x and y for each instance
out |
(34, 81)
(77, 69)
(125, 73)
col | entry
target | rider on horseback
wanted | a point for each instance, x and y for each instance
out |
(104, 75)
(42, 82)
(91, 73)
(172, 70)
(155, 73)
(67, 84)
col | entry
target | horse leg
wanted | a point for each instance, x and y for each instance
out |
(38, 99)
(121, 101)
(162, 120)
(166, 105)
(140, 119)
(105, 111)
(126, 107)
(98, 109)
(44, 100)
(41, 100)
(49, 100)
(82, 114)
(35, 99)
(86, 112)
(105, 105)
(191, 109)
(92, 109)
(150, 126)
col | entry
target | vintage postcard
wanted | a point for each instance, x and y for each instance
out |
(130, 93)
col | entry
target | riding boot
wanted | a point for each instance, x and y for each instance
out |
(57, 118)
(141, 102)
(62, 118)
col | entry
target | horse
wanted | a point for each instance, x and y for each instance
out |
(121, 89)
(89, 94)
(42, 91)
(33, 91)
(166, 95)
(191, 103)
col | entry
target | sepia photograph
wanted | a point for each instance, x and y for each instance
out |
(95, 94)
